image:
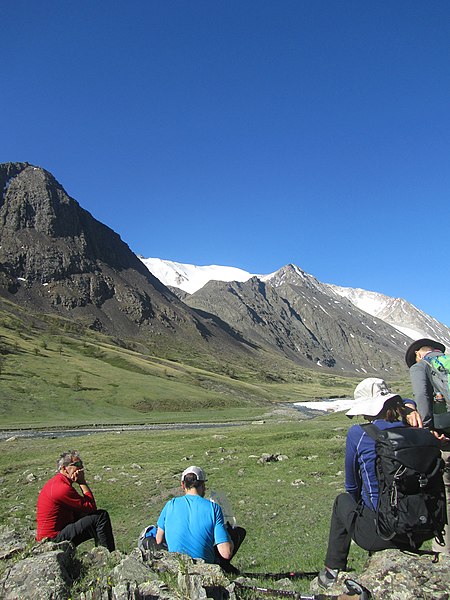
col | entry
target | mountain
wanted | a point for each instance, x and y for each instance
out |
(398, 313)
(56, 257)
(291, 312)
(191, 278)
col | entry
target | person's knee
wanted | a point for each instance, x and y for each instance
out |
(103, 515)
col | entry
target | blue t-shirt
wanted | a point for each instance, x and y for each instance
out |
(193, 525)
(360, 463)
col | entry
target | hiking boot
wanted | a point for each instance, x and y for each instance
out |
(327, 577)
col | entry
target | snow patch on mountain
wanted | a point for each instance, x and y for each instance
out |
(191, 278)
(399, 313)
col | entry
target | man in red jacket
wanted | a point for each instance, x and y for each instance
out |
(63, 514)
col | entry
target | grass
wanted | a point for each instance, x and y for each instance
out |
(285, 506)
(54, 372)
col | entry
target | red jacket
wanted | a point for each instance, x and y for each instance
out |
(58, 505)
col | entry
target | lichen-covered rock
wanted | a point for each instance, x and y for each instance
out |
(400, 576)
(201, 580)
(11, 542)
(46, 574)
(131, 568)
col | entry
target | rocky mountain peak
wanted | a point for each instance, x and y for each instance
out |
(46, 234)
(291, 275)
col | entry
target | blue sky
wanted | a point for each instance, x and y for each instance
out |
(249, 133)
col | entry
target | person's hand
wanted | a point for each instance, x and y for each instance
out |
(79, 477)
(440, 436)
(414, 419)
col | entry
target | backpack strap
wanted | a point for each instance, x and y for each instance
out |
(372, 430)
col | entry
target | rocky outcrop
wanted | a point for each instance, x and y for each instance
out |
(395, 575)
(47, 573)
(59, 572)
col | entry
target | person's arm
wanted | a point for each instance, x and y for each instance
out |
(161, 524)
(80, 478)
(84, 504)
(423, 392)
(221, 538)
(159, 535)
(225, 550)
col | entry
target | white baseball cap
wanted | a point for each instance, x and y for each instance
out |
(370, 395)
(200, 473)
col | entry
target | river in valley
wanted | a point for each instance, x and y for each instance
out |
(309, 409)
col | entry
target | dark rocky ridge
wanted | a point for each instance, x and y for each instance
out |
(55, 257)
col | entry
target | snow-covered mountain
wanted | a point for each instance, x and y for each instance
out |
(191, 278)
(398, 313)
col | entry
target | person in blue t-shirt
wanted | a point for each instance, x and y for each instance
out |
(193, 525)
(385, 409)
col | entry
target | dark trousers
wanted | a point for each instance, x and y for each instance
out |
(95, 526)
(352, 521)
(237, 536)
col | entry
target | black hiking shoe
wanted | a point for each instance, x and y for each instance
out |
(327, 577)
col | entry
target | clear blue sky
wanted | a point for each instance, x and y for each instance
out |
(248, 133)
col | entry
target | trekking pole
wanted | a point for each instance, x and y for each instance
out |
(286, 575)
(354, 590)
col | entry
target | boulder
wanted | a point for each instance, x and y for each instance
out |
(400, 576)
(59, 572)
(47, 573)
(11, 542)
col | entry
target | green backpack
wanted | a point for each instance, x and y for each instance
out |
(439, 371)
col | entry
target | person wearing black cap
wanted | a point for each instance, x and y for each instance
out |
(426, 396)
(420, 373)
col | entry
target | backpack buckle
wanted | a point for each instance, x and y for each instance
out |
(423, 480)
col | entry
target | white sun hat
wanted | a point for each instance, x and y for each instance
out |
(370, 396)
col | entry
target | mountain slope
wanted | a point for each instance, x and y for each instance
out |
(191, 278)
(399, 313)
(293, 313)
(55, 257)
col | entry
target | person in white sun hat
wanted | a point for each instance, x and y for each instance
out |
(374, 401)
(193, 525)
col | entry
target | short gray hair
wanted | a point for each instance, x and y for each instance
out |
(66, 458)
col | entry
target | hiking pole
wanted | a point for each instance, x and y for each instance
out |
(354, 589)
(286, 575)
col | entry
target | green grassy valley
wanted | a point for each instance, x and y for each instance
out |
(285, 505)
(54, 372)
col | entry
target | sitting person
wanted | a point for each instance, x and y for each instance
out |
(63, 514)
(193, 525)
(354, 512)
